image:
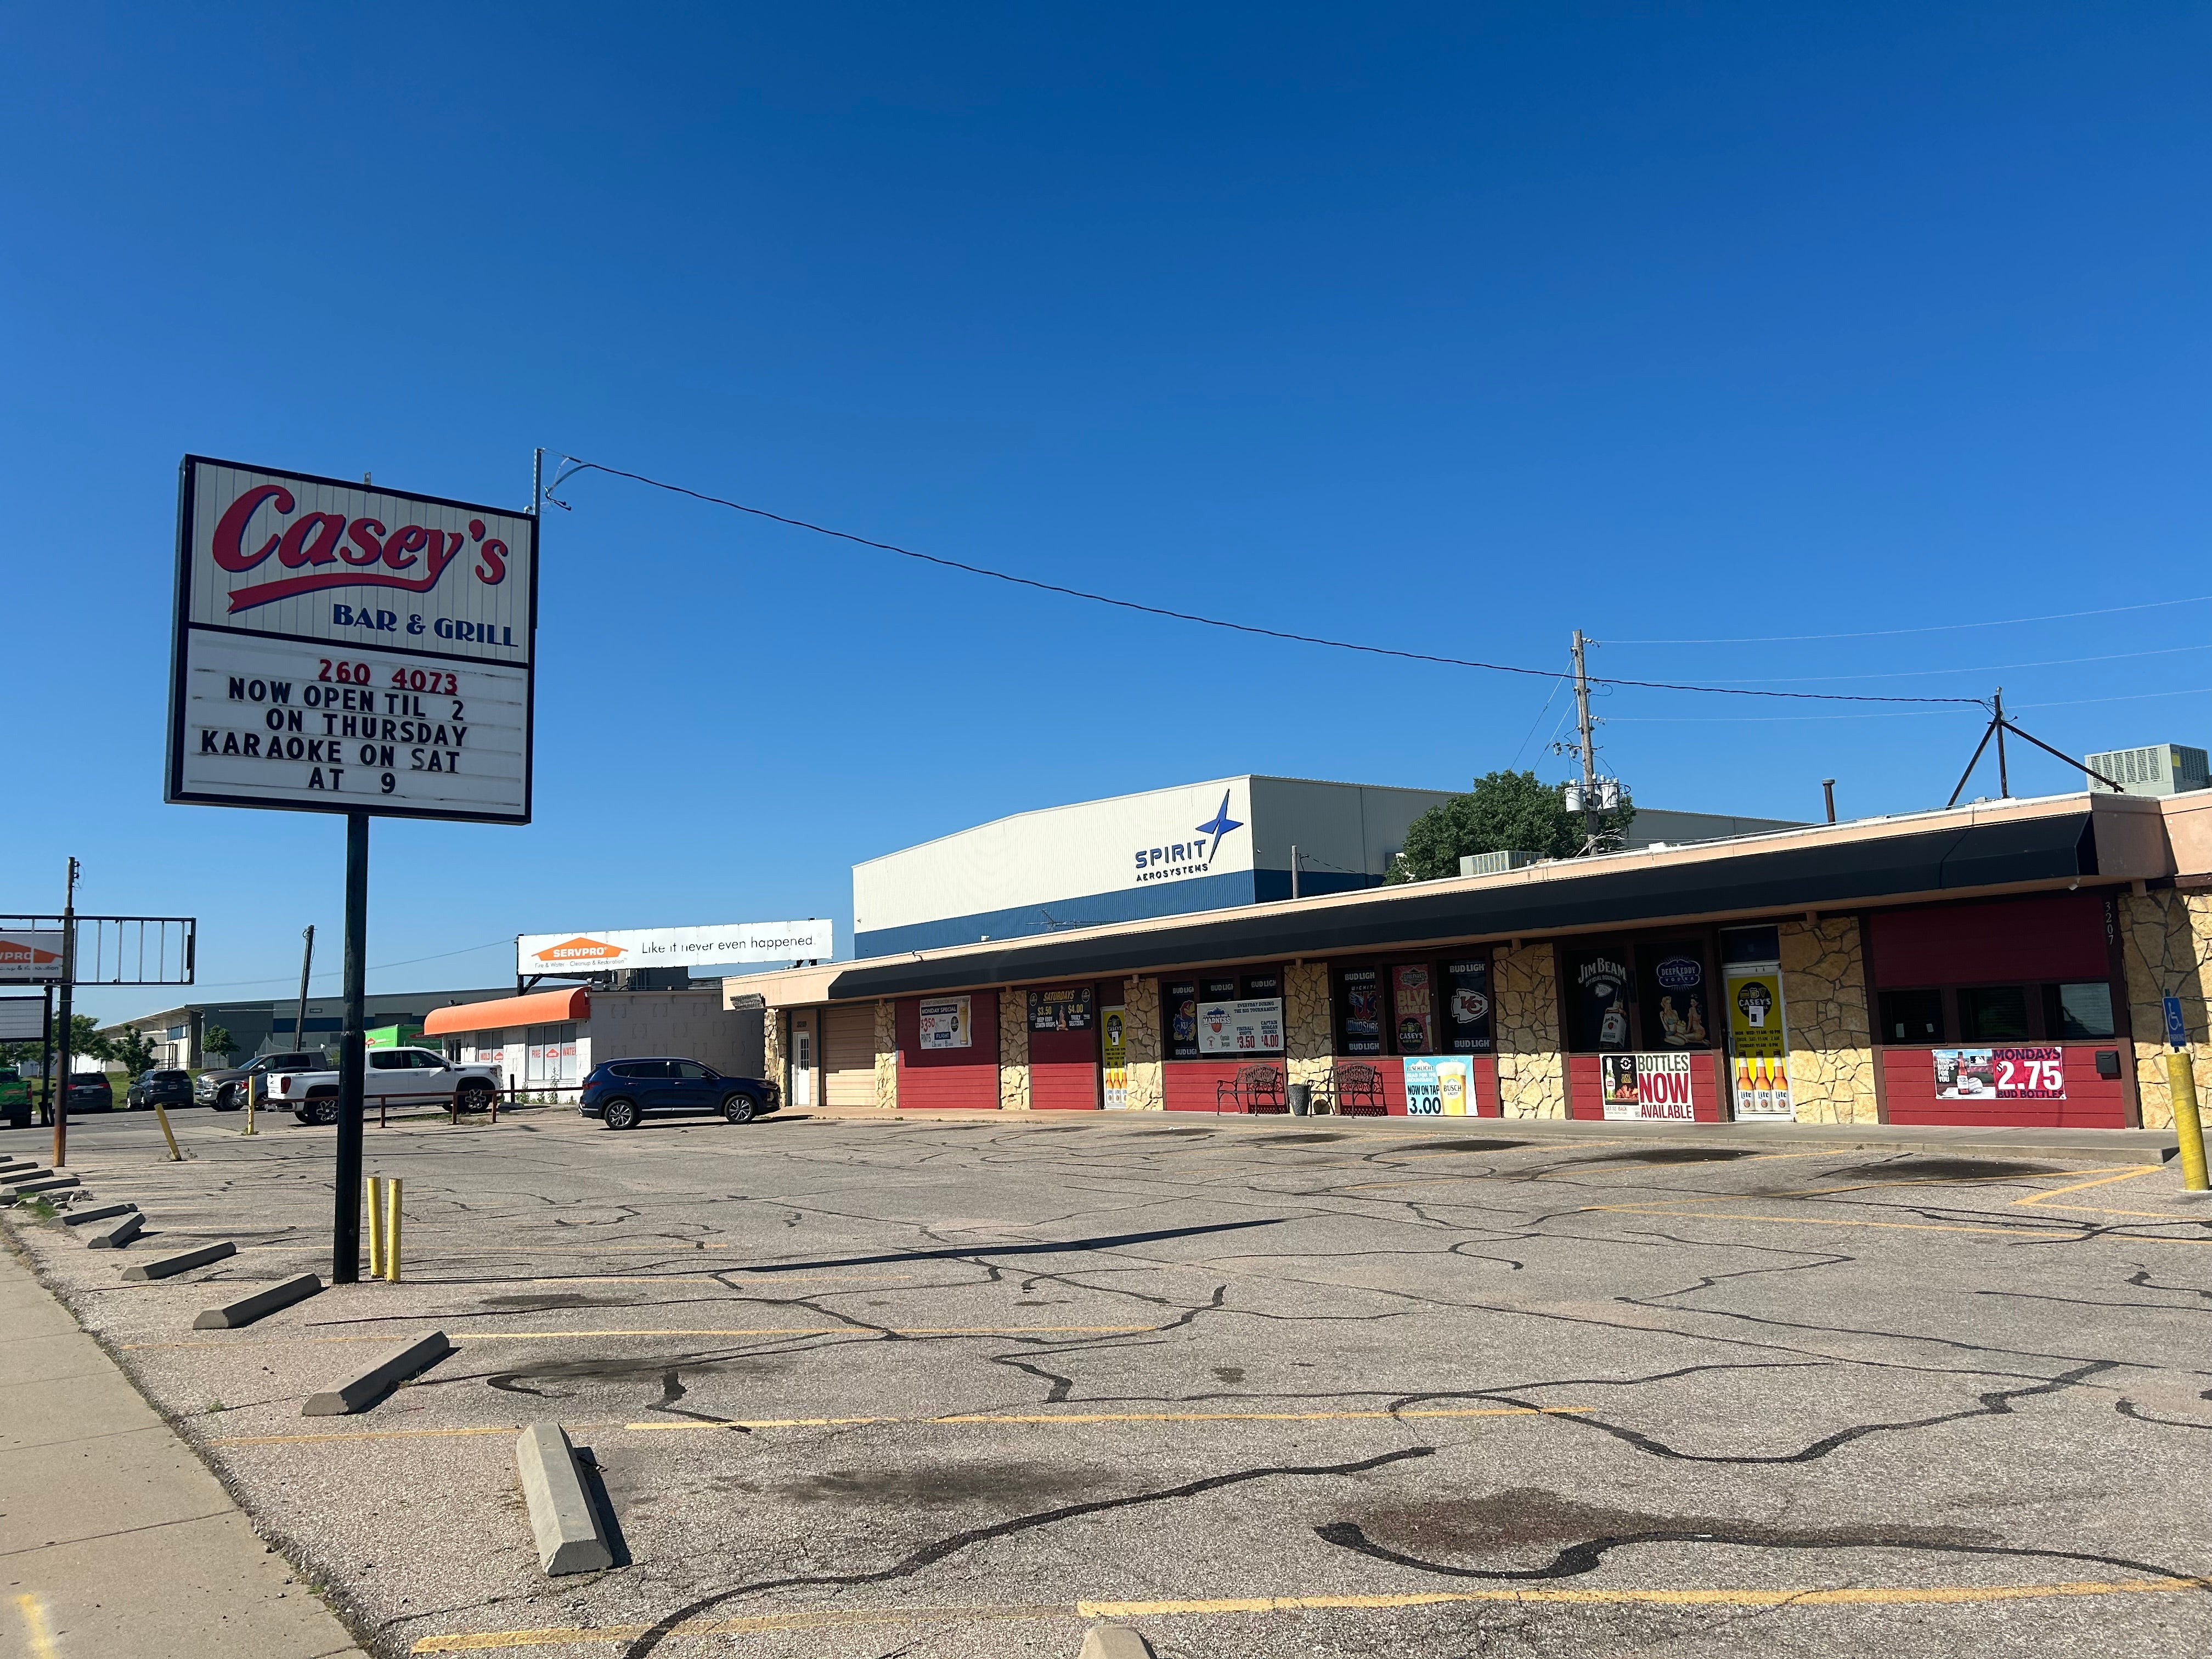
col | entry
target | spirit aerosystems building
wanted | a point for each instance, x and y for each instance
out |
(2002, 962)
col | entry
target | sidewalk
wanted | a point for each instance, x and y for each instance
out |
(114, 1539)
(2107, 1147)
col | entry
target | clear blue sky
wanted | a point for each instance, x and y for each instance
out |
(1455, 328)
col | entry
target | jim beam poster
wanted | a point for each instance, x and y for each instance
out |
(1651, 1087)
(342, 647)
(1758, 1040)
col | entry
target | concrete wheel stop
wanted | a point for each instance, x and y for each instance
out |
(358, 1393)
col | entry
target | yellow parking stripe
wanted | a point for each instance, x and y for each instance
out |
(758, 1330)
(837, 1618)
(1120, 1416)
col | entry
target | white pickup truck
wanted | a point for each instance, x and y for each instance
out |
(394, 1077)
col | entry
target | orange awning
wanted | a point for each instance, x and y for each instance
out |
(539, 1008)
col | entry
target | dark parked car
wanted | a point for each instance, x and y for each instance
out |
(623, 1091)
(88, 1092)
(169, 1088)
(224, 1089)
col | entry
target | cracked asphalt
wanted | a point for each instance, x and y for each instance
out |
(938, 1388)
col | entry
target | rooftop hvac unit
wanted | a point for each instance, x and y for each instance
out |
(1494, 864)
(2162, 769)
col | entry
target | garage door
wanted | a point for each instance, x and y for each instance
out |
(848, 1055)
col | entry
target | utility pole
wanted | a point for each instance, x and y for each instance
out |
(2004, 780)
(306, 963)
(1294, 870)
(60, 1100)
(1589, 750)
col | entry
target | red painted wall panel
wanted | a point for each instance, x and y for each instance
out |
(1063, 1071)
(2056, 936)
(1908, 1078)
(966, 1078)
(1189, 1084)
(1586, 1088)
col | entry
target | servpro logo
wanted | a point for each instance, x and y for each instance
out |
(354, 546)
(581, 950)
(21, 953)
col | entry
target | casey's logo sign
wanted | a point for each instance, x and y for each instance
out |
(365, 553)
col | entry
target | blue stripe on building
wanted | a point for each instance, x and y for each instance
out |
(1167, 898)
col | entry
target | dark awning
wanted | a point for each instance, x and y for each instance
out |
(1823, 875)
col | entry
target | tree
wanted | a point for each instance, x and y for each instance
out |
(85, 1039)
(1505, 813)
(217, 1041)
(130, 1048)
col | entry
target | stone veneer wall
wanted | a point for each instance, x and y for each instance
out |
(1532, 1072)
(1829, 1022)
(1309, 1035)
(1141, 1032)
(775, 1049)
(2165, 944)
(1013, 1051)
(887, 1054)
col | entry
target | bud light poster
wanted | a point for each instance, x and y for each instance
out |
(1179, 1011)
(1359, 1011)
(1467, 1006)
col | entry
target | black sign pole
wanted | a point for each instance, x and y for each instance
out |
(46, 1058)
(68, 1020)
(345, 1243)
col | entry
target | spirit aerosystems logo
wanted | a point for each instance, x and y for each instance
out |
(1177, 859)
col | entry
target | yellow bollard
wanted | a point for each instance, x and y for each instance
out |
(252, 1097)
(2188, 1129)
(392, 1230)
(168, 1134)
(376, 1227)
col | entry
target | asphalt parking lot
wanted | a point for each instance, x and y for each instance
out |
(934, 1389)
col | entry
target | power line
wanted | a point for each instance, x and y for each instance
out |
(573, 466)
(1932, 628)
(378, 968)
(1986, 668)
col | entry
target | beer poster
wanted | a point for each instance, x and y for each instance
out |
(1758, 1040)
(1414, 1000)
(1113, 1058)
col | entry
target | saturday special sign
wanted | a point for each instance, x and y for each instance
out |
(609, 948)
(341, 648)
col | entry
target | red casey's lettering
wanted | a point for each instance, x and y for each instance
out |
(326, 539)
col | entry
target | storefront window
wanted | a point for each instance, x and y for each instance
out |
(2082, 1010)
(1598, 988)
(1466, 1020)
(1676, 1000)
(1913, 1017)
(1760, 944)
(1179, 1018)
(1993, 1013)
(1359, 1011)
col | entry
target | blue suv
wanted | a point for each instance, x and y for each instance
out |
(621, 1092)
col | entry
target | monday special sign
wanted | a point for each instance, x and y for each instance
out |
(341, 648)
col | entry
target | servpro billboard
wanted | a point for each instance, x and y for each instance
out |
(343, 647)
(600, 950)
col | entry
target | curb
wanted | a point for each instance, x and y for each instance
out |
(161, 1266)
(116, 1236)
(1114, 1642)
(229, 1315)
(562, 1518)
(33, 1188)
(359, 1393)
(103, 1212)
